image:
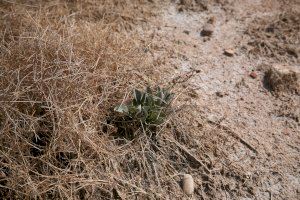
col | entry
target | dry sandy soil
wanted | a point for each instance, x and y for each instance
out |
(267, 167)
(237, 137)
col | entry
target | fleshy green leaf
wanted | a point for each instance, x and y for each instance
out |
(121, 108)
(149, 107)
(137, 96)
(139, 108)
(144, 97)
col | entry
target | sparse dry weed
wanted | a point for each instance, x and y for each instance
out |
(276, 37)
(64, 66)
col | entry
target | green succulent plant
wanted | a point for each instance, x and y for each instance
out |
(148, 107)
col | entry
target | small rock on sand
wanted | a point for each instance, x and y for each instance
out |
(253, 74)
(186, 32)
(188, 184)
(229, 52)
(221, 94)
(207, 30)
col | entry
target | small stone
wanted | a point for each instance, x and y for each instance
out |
(207, 30)
(205, 39)
(220, 94)
(212, 20)
(253, 74)
(186, 32)
(229, 52)
(188, 184)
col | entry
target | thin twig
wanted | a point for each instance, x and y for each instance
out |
(234, 135)
(186, 151)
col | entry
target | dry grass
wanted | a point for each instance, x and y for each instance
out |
(276, 37)
(58, 84)
(59, 78)
(198, 5)
(118, 15)
(63, 68)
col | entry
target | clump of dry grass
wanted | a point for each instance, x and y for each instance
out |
(119, 15)
(58, 80)
(60, 76)
(58, 83)
(276, 37)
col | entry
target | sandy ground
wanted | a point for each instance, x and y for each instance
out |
(236, 137)
(228, 95)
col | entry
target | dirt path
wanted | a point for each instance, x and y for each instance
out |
(229, 96)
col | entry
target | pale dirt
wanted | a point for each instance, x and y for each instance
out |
(245, 105)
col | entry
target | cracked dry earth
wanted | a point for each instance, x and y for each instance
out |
(263, 160)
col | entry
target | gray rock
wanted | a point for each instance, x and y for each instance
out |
(207, 30)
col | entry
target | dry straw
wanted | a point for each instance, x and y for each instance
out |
(63, 67)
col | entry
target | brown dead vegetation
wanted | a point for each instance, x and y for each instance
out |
(276, 37)
(60, 77)
(198, 5)
(58, 81)
(63, 66)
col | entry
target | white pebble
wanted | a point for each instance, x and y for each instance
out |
(188, 184)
